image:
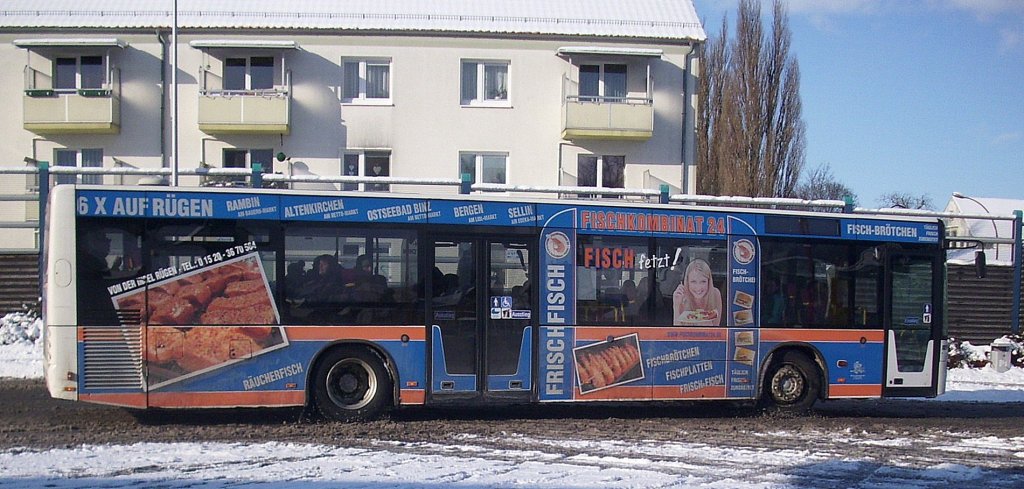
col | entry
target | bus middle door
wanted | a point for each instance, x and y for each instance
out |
(481, 312)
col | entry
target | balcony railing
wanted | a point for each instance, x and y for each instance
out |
(607, 118)
(265, 111)
(594, 117)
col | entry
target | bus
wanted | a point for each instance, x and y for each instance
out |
(354, 304)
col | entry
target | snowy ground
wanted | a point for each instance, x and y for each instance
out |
(468, 461)
(429, 466)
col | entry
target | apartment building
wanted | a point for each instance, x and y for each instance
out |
(525, 92)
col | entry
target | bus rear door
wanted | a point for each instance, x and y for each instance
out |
(913, 323)
(480, 316)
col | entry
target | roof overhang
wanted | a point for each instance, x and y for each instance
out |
(110, 42)
(609, 51)
(242, 44)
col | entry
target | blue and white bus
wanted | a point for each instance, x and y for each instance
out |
(357, 303)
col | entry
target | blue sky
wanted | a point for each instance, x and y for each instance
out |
(915, 96)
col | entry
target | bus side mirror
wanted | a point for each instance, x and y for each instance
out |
(979, 263)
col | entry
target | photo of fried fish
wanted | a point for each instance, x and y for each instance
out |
(206, 318)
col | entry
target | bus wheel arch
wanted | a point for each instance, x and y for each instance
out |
(351, 382)
(793, 379)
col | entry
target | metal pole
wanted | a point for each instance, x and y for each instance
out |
(44, 197)
(174, 96)
(257, 175)
(1018, 255)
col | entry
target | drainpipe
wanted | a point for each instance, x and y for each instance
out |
(689, 128)
(163, 98)
(561, 144)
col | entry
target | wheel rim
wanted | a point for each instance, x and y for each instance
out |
(788, 384)
(351, 384)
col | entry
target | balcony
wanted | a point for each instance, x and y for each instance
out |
(245, 111)
(622, 118)
(253, 111)
(76, 112)
(71, 111)
(72, 86)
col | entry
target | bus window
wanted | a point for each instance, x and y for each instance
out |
(691, 285)
(867, 288)
(609, 274)
(351, 276)
(821, 285)
(217, 273)
(108, 253)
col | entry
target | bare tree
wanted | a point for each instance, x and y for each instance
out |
(712, 128)
(904, 200)
(820, 183)
(750, 130)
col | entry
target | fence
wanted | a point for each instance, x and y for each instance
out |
(980, 309)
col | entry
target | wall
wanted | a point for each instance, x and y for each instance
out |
(425, 127)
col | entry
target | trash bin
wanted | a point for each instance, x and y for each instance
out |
(999, 356)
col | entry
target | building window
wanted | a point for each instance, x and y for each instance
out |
(255, 73)
(484, 167)
(366, 164)
(86, 158)
(606, 171)
(366, 81)
(485, 82)
(78, 72)
(245, 158)
(602, 82)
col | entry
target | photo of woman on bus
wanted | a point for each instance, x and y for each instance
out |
(696, 301)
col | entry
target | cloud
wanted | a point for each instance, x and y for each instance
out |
(1008, 137)
(1006, 15)
(823, 14)
(988, 9)
(1011, 38)
(832, 7)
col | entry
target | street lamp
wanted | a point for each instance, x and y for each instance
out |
(995, 229)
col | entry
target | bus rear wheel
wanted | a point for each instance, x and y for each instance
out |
(351, 384)
(792, 385)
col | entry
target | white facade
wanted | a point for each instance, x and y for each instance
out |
(534, 97)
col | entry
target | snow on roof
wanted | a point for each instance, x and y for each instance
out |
(645, 19)
(986, 205)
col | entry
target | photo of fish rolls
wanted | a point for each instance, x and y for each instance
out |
(607, 364)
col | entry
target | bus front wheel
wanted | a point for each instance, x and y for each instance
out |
(792, 384)
(352, 384)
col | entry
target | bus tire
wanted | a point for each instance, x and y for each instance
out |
(792, 384)
(351, 384)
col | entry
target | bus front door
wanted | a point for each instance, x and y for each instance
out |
(480, 317)
(913, 326)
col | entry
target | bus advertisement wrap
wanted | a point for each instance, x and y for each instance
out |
(353, 304)
(202, 314)
(907, 232)
(557, 312)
